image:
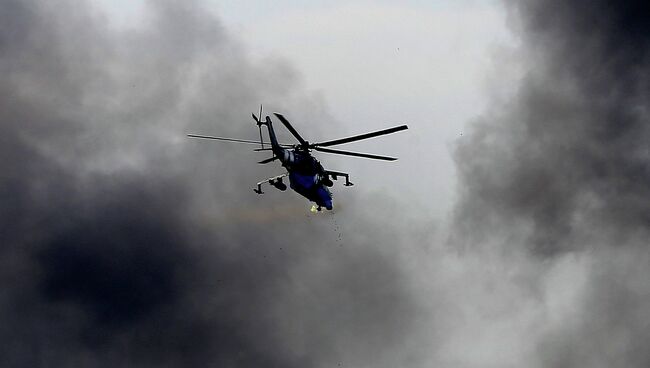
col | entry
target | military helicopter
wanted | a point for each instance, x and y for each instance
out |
(306, 175)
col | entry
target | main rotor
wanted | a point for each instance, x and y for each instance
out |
(306, 146)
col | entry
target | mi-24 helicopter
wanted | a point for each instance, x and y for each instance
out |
(306, 174)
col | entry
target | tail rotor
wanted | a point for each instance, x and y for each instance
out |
(259, 125)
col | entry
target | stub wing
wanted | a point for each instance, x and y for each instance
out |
(276, 181)
(334, 175)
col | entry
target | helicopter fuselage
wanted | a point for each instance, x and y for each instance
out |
(307, 176)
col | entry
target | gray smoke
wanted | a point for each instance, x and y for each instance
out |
(562, 171)
(126, 244)
(123, 243)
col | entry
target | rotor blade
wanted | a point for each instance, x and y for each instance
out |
(271, 149)
(356, 154)
(247, 141)
(224, 139)
(361, 136)
(268, 160)
(291, 128)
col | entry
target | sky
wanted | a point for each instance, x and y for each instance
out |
(373, 65)
(511, 232)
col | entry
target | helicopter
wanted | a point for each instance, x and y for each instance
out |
(306, 175)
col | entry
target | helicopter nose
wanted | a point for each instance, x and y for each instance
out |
(327, 203)
(324, 197)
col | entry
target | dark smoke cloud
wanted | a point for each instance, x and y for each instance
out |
(562, 171)
(123, 244)
(573, 146)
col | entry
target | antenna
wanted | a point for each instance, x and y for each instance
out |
(260, 128)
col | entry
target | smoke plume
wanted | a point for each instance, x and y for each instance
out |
(561, 171)
(126, 244)
(123, 243)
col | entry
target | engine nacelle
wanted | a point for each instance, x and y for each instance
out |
(327, 181)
